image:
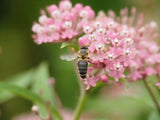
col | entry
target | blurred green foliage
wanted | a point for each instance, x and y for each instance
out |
(20, 53)
(41, 93)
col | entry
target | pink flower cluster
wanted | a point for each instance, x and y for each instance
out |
(147, 58)
(146, 61)
(111, 49)
(116, 44)
(119, 43)
(63, 23)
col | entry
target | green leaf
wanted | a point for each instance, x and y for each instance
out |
(122, 80)
(20, 91)
(22, 80)
(65, 44)
(27, 94)
(126, 72)
(38, 77)
(154, 116)
(40, 83)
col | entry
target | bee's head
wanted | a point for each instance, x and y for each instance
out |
(83, 51)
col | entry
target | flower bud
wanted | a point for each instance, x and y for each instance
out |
(104, 78)
(35, 109)
(43, 19)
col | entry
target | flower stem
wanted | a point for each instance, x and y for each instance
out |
(80, 106)
(152, 95)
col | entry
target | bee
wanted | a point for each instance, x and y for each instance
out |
(82, 62)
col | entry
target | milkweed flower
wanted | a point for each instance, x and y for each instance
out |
(115, 44)
(61, 23)
(121, 43)
(111, 49)
(147, 55)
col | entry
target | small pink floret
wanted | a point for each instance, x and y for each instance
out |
(104, 78)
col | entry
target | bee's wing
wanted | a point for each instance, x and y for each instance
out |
(68, 57)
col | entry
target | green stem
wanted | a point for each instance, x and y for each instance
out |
(152, 95)
(80, 106)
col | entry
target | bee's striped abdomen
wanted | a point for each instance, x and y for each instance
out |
(82, 66)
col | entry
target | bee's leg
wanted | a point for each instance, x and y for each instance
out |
(89, 60)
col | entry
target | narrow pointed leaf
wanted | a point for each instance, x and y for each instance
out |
(22, 80)
(65, 44)
(41, 85)
(20, 91)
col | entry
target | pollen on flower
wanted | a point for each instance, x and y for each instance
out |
(67, 24)
(99, 46)
(87, 30)
(101, 31)
(52, 28)
(110, 56)
(128, 41)
(127, 52)
(116, 42)
(92, 37)
(125, 33)
(118, 66)
(98, 24)
(111, 24)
